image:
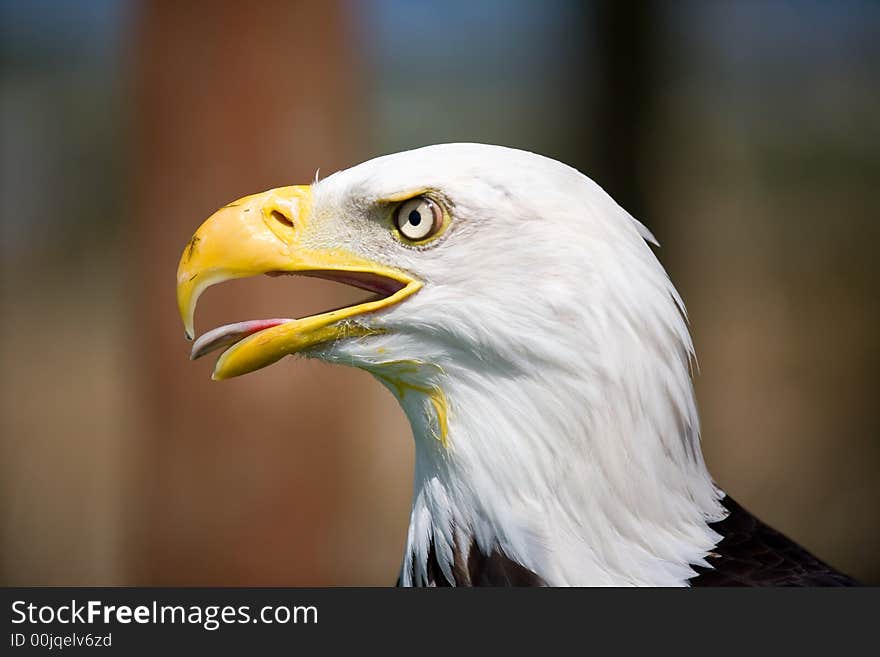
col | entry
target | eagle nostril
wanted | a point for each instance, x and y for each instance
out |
(282, 219)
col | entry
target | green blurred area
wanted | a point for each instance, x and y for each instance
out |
(744, 134)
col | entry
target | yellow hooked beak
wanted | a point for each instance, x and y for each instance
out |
(263, 234)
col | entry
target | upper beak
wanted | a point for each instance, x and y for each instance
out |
(252, 235)
(263, 233)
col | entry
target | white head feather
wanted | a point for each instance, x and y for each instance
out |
(560, 349)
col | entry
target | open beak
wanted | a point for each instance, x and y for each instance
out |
(263, 234)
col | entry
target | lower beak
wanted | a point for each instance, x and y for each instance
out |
(263, 234)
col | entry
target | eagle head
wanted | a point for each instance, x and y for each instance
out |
(523, 322)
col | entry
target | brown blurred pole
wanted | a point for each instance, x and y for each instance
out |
(237, 479)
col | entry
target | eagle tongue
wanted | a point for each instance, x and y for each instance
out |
(223, 336)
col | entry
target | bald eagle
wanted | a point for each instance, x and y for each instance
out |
(539, 351)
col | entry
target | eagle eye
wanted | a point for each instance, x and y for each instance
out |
(418, 218)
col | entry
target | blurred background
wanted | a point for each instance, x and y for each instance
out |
(745, 134)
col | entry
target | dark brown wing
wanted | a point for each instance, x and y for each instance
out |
(754, 554)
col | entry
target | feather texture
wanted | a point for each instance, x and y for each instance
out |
(754, 554)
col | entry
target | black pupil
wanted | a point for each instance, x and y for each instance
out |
(415, 218)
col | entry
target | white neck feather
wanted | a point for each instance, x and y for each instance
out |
(585, 469)
(576, 494)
